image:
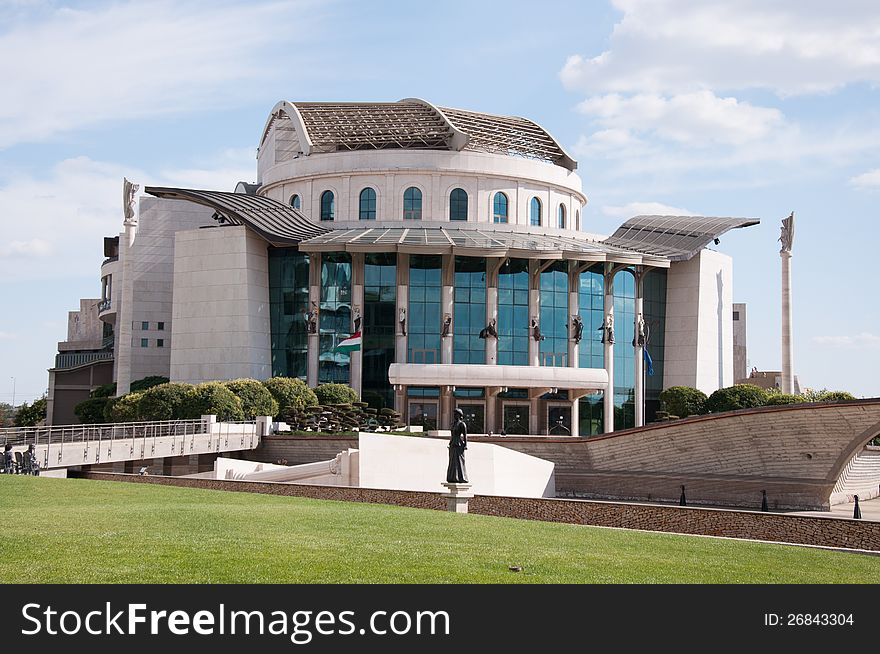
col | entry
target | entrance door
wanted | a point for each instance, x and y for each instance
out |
(423, 414)
(559, 420)
(474, 417)
(516, 419)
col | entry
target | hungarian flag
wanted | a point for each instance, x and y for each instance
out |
(350, 344)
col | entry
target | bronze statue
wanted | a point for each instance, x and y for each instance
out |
(357, 319)
(447, 324)
(577, 328)
(608, 330)
(456, 473)
(641, 337)
(312, 319)
(786, 236)
(402, 321)
(128, 192)
(489, 331)
(536, 330)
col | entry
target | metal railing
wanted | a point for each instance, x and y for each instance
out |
(104, 305)
(58, 434)
(73, 359)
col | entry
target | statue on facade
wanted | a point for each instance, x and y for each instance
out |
(447, 325)
(312, 319)
(577, 328)
(608, 329)
(456, 473)
(536, 330)
(489, 331)
(641, 336)
(786, 236)
(129, 190)
(356, 319)
(402, 321)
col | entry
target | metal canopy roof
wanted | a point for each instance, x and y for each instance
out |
(483, 241)
(677, 237)
(275, 221)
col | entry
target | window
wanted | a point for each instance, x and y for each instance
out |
(367, 209)
(412, 204)
(145, 326)
(295, 201)
(160, 342)
(328, 205)
(458, 204)
(145, 342)
(469, 310)
(562, 216)
(499, 208)
(577, 220)
(736, 315)
(535, 212)
(160, 326)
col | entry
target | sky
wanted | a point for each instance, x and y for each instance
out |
(717, 107)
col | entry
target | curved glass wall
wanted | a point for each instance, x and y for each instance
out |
(458, 204)
(654, 288)
(624, 330)
(288, 311)
(367, 205)
(377, 331)
(513, 313)
(423, 316)
(412, 204)
(535, 212)
(554, 315)
(499, 208)
(334, 318)
(328, 205)
(470, 310)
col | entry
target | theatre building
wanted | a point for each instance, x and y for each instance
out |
(431, 258)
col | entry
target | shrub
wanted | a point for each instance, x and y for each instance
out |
(105, 390)
(124, 409)
(684, 401)
(834, 396)
(211, 398)
(147, 382)
(164, 402)
(29, 415)
(777, 399)
(256, 400)
(738, 396)
(291, 394)
(336, 394)
(91, 411)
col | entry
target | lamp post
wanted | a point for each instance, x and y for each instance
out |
(13, 393)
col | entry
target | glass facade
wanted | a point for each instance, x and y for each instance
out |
(591, 294)
(554, 315)
(334, 318)
(499, 208)
(515, 419)
(513, 313)
(624, 330)
(288, 309)
(458, 204)
(535, 212)
(655, 322)
(423, 317)
(470, 310)
(367, 205)
(412, 204)
(377, 331)
(328, 205)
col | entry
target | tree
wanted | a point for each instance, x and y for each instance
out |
(164, 401)
(684, 401)
(336, 394)
(256, 400)
(777, 399)
(29, 415)
(211, 398)
(834, 396)
(123, 409)
(91, 411)
(292, 394)
(147, 382)
(7, 414)
(105, 390)
(738, 396)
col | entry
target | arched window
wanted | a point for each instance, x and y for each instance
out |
(367, 210)
(458, 202)
(328, 205)
(535, 212)
(499, 208)
(295, 201)
(412, 204)
(562, 216)
(577, 220)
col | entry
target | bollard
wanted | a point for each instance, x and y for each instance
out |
(682, 500)
(764, 506)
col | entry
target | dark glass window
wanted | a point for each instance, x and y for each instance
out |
(624, 331)
(412, 204)
(288, 311)
(334, 323)
(577, 220)
(160, 326)
(367, 209)
(513, 313)
(145, 342)
(470, 310)
(554, 315)
(736, 315)
(654, 304)
(328, 205)
(379, 322)
(145, 326)
(561, 214)
(423, 316)
(160, 342)
(295, 201)
(591, 296)
(499, 208)
(535, 212)
(458, 204)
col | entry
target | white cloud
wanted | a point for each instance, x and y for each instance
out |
(71, 68)
(863, 340)
(868, 180)
(7, 336)
(644, 209)
(677, 46)
(36, 247)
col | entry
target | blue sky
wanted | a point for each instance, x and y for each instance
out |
(718, 107)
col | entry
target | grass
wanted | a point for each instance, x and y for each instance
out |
(79, 531)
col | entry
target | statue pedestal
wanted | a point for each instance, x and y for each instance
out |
(457, 497)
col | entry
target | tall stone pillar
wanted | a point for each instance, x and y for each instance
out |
(609, 350)
(576, 415)
(534, 311)
(574, 309)
(314, 301)
(639, 354)
(447, 307)
(787, 239)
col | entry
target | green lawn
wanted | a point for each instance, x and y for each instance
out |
(78, 531)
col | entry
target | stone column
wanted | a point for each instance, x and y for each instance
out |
(534, 310)
(357, 300)
(787, 345)
(314, 339)
(400, 341)
(576, 415)
(609, 351)
(447, 307)
(574, 308)
(639, 354)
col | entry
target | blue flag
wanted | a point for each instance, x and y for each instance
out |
(649, 363)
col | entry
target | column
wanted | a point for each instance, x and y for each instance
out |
(357, 300)
(534, 310)
(492, 268)
(787, 345)
(574, 308)
(447, 307)
(400, 341)
(314, 301)
(576, 415)
(639, 354)
(609, 350)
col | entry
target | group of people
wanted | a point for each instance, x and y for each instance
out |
(27, 464)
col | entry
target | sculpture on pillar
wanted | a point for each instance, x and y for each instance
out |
(356, 319)
(786, 236)
(456, 473)
(128, 192)
(536, 330)
(577, 328)
(402, 321)
(608, 329)
(641, 332)
(447, 325)
(312, 319)
(489, 331)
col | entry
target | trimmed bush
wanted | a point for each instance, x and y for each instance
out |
(684, 401)
(91, 411)
(738, 396)
(105, 390)
(336, 394)
(164, 402)
(292, 394)
(211, 398)
(123, 409)
(147, 382)
(834, 396)
(777, 399)
(256, 400)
